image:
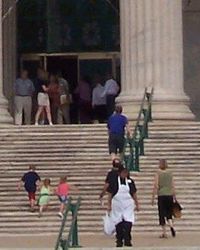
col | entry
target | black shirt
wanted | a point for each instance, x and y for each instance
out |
(113, 185)
(38, 85)
(111, 176)
(30, 180)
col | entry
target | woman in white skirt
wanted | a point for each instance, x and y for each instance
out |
(122, 203)
(43, 104)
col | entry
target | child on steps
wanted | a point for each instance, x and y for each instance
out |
(44, 197)
(30, 180)
(62, 192)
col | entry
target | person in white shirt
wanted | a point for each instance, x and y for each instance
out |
(110, 92)
(99, 101)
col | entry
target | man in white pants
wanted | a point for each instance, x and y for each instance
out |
(24, 90)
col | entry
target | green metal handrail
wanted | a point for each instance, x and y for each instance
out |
(134, 146)
(72, 238)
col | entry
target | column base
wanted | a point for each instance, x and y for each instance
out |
(5, 117)
(166, 108)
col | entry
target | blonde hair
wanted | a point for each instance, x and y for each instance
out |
(163, 164)
(63, 179)
(47, 182)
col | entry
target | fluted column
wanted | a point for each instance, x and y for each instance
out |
(5, 117)
(152, 56)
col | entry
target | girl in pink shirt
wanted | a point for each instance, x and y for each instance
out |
(62, 192)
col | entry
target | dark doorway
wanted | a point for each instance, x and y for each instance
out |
(68, 66)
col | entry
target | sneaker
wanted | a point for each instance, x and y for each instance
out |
(36, 124)
(60, 215)
(51, 124)
(173, 232)
(119, 243)
(128, 244)
(32, 209)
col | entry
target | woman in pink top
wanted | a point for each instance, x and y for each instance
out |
(62, 192)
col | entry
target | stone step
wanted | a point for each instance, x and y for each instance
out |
(171, 140)
(81, 153)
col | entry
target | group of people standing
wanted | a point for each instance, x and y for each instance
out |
(48, 98)
(123, 201)
(45, 97)
(97, 103)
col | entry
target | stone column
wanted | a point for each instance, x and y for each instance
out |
(5, 117)
(152, 56)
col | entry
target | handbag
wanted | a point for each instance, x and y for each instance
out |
(109, 225)
(177, 210)
(65, 99)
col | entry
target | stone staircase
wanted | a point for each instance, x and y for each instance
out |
(80, 152)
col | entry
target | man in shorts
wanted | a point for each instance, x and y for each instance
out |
(117, 123)
(30, 180)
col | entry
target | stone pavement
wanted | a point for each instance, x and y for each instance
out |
(97, 242)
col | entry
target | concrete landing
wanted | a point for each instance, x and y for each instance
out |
(186, 241)
(135, 248)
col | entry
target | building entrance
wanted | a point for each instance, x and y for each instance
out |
(73, 66)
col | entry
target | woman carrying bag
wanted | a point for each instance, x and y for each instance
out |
(122, 203)
(165, 189)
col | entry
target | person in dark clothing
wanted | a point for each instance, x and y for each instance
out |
(112, 174)
(121, 204)
(164, 188)
(30, 180)
(117, 123)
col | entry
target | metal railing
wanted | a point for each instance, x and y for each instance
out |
(134, 146)
(72, 238)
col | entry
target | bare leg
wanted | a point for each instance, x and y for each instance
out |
(171, 225)
(164, 232)
(32, 205)
(39, 112)
(48, 111)
(41, 210)
(62, 207)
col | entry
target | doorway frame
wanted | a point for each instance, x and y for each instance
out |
(42, 58)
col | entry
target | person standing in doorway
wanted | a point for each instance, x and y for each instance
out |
(83, 92)
(40, 80)
(24, 90)
(121, 204)
(165, 189)
(110, 92)
(117, 123)
(43, 103)
(54, 97)
(99, 102)
(65, 100)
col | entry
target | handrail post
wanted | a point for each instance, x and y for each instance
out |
(75, 229)
(137, 157)
(59, 240)
(141, 131)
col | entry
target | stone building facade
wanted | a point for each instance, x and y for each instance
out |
(159, 48)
